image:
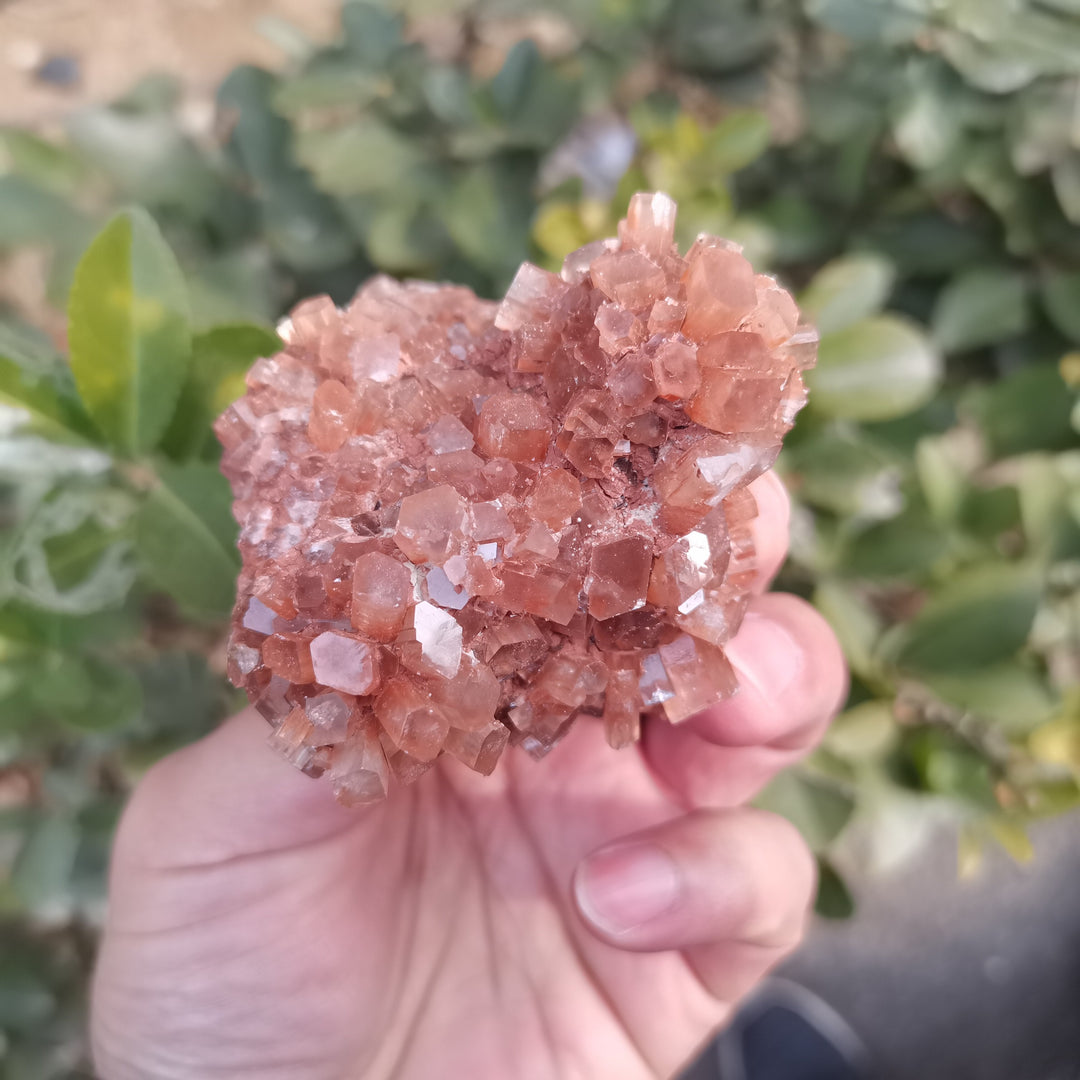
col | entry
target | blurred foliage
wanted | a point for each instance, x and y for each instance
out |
(912, 167)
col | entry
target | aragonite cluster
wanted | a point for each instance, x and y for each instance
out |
(465, 524)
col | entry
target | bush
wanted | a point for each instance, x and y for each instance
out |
(912, 167)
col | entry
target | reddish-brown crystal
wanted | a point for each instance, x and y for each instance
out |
(381, 591)
(463, 524)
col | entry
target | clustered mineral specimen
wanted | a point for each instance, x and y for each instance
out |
(463, 523)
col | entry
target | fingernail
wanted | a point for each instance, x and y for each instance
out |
(627, 885)
(766, 654)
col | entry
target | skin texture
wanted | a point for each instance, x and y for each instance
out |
(592, 916)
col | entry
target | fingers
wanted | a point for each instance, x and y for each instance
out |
(731, 888)
(770, 527)
(226, 796)
(792, 680)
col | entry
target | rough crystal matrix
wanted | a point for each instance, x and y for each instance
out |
(464, 524)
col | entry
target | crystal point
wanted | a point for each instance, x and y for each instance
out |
(464, 523)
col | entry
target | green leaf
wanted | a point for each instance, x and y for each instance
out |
(536, 104)
(847, 290)
(865, 20)
(510, 87)
(219, 360)
(980, 307)
(906, 546)
(335, 82)
(489, 220)
(185, 538)
(1009, 694)
(362, 157)
(1061, 298)
(1029, 409)
(1066, 177)
(932, 243)
(31, 349)
(928, 124)
(704, 37)
(42, 871)
(85, 693)
(236, 286)
(30, 214)
(146, 154)
(1045, 491)
(943, 475)
(817, 807)
(834, 899)
(372, 35)
(878, 369)
(129, 332)
(25, 998)
(737, 141)
(301, 225)
(856, 624)
(839, 469)
(941, 763)
(42, 410)
(53, 630)
(184, 699)
(46, 163)
(69, 554)
(978, 618)
(987, 513)
(993, 67)
(864, 733)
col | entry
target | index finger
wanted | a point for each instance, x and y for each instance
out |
(769, 528)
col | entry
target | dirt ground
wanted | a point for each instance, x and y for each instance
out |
(114, 42)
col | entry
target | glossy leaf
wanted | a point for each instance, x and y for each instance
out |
(942, 475)
(864, 733)
(185, 538)
(302, 226)
(84, 693)
(363, 157)
(854, 621)
(879, 368)
(818, 808)
(834, 899)
(1012, 695)
(865, 20)
(846, 291)
(738, 140)
(372, 34)
(907, 546)
(977, 618)
(128, 326)
(1066, 178)
(39, 407)
(43, 161)
(511, 86)
(219, 360)
(840, 469)
(1029, 409)
(980, 307)
(146, 154)
(942, 763)
(184, 698)
(70, 554)
(31, 214)
(42, 870)
(1061, 298)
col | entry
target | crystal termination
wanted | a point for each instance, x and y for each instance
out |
(464, 524)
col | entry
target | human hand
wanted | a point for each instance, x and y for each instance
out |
(592, 916)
